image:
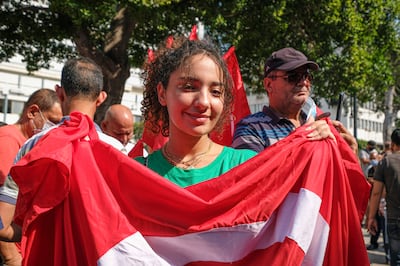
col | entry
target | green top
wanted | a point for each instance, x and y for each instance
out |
(228, 159)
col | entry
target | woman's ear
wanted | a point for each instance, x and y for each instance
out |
(161, 93)
(101, 98)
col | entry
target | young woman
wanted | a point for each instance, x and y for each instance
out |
(188, 94)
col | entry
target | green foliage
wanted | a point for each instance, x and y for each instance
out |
(362, 144)
(356, 43)
(138, 130)
(397, 123)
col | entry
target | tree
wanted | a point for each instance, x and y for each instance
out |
(353, 41)
(138, 130)
(115, 34)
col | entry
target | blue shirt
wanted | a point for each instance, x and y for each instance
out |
(260, 130)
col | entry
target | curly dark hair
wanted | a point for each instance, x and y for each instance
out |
(166, 60)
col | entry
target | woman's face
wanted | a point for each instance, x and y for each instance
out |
(194, 97)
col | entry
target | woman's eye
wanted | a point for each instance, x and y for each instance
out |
(188, 86)
(216, 92)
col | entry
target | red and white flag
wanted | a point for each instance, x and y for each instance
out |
(193, 33)
(240, 105)
(81, 202)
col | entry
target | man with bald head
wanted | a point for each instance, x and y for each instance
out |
(118, 123)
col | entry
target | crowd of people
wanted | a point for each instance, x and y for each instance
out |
(188, 94)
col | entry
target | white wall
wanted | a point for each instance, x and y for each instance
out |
(369, 123)
(17, 85)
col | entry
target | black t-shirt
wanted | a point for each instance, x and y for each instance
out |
(388, 172)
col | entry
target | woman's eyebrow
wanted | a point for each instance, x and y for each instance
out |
(194, 79)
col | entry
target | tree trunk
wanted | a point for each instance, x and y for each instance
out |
(114, 59)
(114, 84)
(389, 117)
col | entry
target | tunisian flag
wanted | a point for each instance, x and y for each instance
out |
(240, 105)
(82, 202)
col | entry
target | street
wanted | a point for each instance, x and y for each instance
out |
(377, 256)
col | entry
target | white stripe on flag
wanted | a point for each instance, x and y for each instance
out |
(133, 250)
(298, 218)
(316, 252)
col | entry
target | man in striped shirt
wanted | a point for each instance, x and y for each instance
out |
(287, 80)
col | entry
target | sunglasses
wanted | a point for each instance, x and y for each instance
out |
(294, 77)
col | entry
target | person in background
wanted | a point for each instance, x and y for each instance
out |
(387, 176)
(365, 158)
(369, 160)
(81, 91)
(118, 123)
(42, 110)
(386, 148)
(381, 215)
(374, 160)
(287, 80)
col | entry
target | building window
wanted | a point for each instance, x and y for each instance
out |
(2, 103)
(137, 118)
(17, 107)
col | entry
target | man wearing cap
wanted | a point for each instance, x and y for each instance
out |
(287, 80)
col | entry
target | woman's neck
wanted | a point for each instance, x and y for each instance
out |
(187, 147)
(190, 154)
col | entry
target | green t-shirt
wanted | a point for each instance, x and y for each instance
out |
(228, 159)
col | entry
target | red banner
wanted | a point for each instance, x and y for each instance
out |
(82, 202)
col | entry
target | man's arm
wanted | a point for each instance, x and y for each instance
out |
(374, 205)
(8, 196)
(246, 137)
(10, 232)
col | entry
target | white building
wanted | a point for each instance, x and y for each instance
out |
(369, 123)
(16, 86)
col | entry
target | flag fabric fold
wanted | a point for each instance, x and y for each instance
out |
(82, 202)
(240, 105)
(193, 33)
